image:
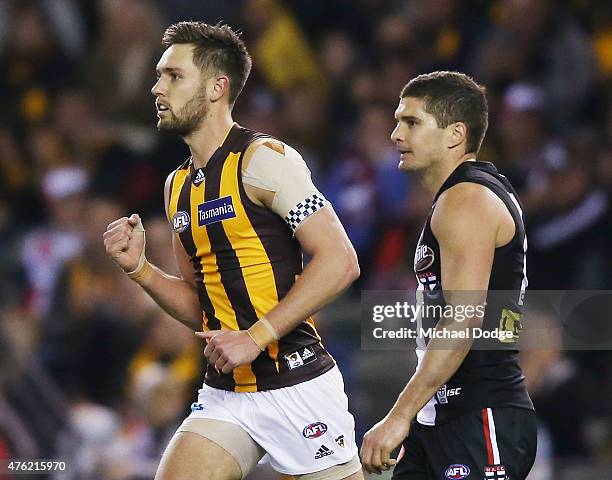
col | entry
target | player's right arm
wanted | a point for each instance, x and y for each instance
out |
(124, 241)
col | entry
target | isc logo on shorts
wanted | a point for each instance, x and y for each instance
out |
(314, 430)
(180, 221)
(443, 393)
(457, 471)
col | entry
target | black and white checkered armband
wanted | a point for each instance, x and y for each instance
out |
(304, 209)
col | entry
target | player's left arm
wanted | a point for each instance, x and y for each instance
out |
(284, 186)
(332, 268)
(466, 225)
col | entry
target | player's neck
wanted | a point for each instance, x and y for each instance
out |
(205, 141)
(434, 177)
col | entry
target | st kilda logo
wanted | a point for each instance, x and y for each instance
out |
(423, 258)
(314, 430)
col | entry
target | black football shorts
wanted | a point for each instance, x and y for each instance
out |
(490, 444)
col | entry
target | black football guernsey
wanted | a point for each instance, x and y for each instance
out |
(487, 378)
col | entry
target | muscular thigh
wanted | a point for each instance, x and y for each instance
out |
(190, 456)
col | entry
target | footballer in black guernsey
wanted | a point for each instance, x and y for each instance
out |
(486, 378)
(465, 412)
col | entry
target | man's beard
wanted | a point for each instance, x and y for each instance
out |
(188, 118)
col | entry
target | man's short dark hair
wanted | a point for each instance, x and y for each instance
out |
(453, 97)
(216, 48)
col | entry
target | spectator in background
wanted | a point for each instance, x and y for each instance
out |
(363, 181)
(547, 47)
(47, 248)
(397, 48)
(557, 183)
(121, 162)
(574, 212)
(34, 66)
(338, 59)
(19, 188)
(93, 301)
(170, 345)
(285, 58)
(527, 145)
(120, 69)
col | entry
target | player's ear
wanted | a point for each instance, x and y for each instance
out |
(456, 134)
(218, 87)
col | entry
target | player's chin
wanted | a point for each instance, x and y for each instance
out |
(164, 125)
(406, 166)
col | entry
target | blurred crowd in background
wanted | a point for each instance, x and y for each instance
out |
(93, 372)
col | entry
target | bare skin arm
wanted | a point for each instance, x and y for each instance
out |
(124, 241)
(332, 268)
(469, 223)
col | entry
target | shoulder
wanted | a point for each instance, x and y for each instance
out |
(466, 206)
(273, 161)
(183, 166)
(169, 180)
(269, 149)
(168, 183)
(265, 144)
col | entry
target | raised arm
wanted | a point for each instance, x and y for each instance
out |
(125, 243)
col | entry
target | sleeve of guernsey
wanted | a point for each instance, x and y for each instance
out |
(279, 168)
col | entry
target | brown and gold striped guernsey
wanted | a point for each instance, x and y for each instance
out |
(246, 260)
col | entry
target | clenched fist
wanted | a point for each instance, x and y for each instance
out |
(227, 350)
(124, 241)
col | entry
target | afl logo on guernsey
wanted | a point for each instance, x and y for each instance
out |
(180, 222)
(423, 258)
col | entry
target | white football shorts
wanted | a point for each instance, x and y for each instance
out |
(303, 429)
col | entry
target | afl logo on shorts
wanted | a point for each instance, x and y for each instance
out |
(423, 258)
(457, 471)
(314, 430)
(180, 221)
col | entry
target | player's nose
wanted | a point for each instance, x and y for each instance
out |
(157, 88)
(396, 135)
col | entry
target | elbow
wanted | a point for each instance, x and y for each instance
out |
(475, 322)
(354, 269)
(351, 269)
